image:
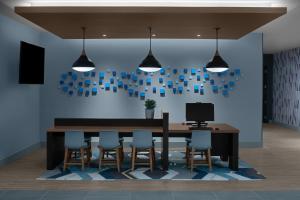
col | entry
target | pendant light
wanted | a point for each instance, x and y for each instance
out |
(217, 64)
(83, 63)
(150, 64)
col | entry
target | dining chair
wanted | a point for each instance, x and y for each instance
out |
(200, 144)
(109, 142)
(75, 145)
(142, 141)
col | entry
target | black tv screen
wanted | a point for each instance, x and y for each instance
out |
(31, 66)
(200, 112)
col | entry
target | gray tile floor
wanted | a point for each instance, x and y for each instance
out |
(140, 195)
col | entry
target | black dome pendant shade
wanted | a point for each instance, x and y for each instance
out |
(217, 64)
(83, 63)
(150, 64)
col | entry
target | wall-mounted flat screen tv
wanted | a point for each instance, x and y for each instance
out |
(31, 66)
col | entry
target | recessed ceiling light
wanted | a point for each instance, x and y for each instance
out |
(198, 35)
(153, 35)
(104, 35)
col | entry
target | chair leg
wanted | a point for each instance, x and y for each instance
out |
(192, 159)
(209, 159)
(101, 153)
(118, 159)
(187, 156)
(122, 153)
(82, 158)
(133, 158)
(151, 159)
(153, 156)
(66, 158)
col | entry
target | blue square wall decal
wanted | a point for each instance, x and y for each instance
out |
(112, 80)
(80, 84)
(196, 88)
(86, 74)
(87, 93)
(130, 91)
(64, 76)
(125, 86)
(148, 81)
(170, 84)
(114, 73)
(204, 69)
(174, 71)
(212, 81)
(185, 83)
(80, 91)
(71, 84)
(145, 73)
(70, 73)
(74, 76)
(101, 75)
(142, 95)
(201, 91)
(94, 91)
(162, 71)
(87, 83)
(181, 78)
(225, 86)
(154, 90)
(180, 89)
(231, 84)
(93, 74)
(123, 75)
(174, 90)
(128, 76)
(185, 70)
(115, 89)
(61, 82)
(71, 92)
(206, 76)
(120, 84)
(215, 89)
(198, 78)
(193, 71)
(134, 78)
(65, 88)
(162, 92)
(225, 93)
(237, 72)
(160, 80)
(136, 93)
(141, 82)
(107, 86)
(101, 82)
(138, 71)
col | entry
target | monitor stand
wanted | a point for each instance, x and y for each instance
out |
(198, 125)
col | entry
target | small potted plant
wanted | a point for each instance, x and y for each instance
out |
(150, 104)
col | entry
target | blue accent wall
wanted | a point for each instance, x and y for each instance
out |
(19, 104)
(242, 108)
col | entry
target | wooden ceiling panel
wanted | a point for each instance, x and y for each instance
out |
(166, 22)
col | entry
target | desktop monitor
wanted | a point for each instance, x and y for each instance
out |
(199, 113)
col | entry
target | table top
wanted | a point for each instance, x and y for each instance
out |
(173, 128)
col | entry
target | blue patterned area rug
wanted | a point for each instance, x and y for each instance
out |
(177, 171)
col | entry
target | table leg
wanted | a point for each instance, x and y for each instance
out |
(234, 154)
(165, 142)
(55, 149)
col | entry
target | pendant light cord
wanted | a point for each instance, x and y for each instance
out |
(83, 41)
(150, 31)
(217, 38)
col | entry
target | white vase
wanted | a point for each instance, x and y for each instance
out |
(149, 113)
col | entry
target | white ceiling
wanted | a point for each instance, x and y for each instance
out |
(283, 33)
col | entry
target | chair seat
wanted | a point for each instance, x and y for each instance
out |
(199, 148)
(107, 147)
(78, 148)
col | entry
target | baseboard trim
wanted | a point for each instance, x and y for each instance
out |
(287, 125)
(21, 153)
